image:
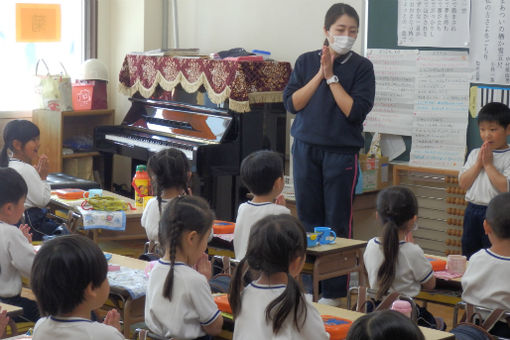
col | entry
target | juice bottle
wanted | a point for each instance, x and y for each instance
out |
(141, 184)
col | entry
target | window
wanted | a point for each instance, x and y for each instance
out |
(18, 59)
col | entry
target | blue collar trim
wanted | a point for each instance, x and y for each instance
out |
(255, 285)
(499, 257)
(69, 320)
(259, 204)
(175, 263)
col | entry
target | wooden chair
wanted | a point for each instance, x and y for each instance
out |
(366, 296)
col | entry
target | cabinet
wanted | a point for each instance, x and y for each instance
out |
(441, 207)
(57, 126)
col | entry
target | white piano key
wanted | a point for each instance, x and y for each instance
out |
(150, 145)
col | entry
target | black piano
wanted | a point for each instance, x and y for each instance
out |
(214, 140)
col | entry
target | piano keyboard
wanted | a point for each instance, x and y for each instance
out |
(488, 94)
(152, 145)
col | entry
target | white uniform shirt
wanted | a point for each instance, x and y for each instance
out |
(151, 217)
(251, 322)
(482, 190)
(74, 328)
(192, 304)
(412, 267)
(39, 191)
(16, 258)
(485, 282)
(248, 214)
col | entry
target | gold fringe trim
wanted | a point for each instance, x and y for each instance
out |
(265, 97)
(216, 98)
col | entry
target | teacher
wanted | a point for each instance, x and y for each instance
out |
(330, 91)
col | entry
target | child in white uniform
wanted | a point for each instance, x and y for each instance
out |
(394, 265)
(178, 302)
(485, 282)
(169, 170)
(485, 174)
(21, 138)
(262, 173)
(69, 281)
(16, 251)
(274, 306)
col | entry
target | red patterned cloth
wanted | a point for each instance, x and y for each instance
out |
(241, 82)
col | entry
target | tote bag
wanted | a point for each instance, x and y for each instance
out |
(53, 90)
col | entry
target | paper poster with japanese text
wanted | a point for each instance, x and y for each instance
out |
(434, 23)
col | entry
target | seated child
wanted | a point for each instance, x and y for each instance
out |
(21, 138)
(274, 305)
(394, 265)
(485, 174)
(170, 172)
(485, 282)
(178, 302)
(69, 282)
(16, 251)
(384, 325)
(262, 173)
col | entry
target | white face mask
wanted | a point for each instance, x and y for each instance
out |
(341, 44)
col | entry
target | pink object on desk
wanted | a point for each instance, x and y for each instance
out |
(403, 307)
(113, 267)
(445, 275)
(456, 264)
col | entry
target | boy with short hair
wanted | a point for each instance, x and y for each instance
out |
(485, 282)
(485, 174)
(16, 251)
(69, 281)
(262, 173)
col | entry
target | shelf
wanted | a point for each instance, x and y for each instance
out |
(104, 112)
(81, 154)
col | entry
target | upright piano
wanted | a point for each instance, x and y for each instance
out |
(214, 140)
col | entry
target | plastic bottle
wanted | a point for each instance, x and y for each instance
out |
(403, 307)
(141, 184)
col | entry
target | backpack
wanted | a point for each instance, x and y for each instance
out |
(474, 328)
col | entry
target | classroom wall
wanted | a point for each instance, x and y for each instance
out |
(287, 28)
(125, 26)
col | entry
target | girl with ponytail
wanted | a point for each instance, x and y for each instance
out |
(178, 302)
(274, 306)
(394, 265)
(170, 172)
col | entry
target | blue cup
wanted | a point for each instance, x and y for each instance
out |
(312, 239)
(325, 235)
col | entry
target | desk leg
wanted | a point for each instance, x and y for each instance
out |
(315, 279)
(362, 272)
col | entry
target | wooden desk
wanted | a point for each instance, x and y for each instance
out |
(332, 260)
(429, 333)
(132, 311)
(325, 261)
(134, 230)
(12, 312)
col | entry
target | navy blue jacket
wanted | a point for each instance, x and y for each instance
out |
(322, 122)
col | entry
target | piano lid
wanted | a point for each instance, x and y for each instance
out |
(195, 123)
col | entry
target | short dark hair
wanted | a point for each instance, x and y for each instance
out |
(260, 169)
(336, 11)
(62, 269)
(495, 112)
(498, 215)
(12, 186)
(18, 129)
(382, 325)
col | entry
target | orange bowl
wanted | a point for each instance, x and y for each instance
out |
(223, 227)
(223, 304)
(336, 327)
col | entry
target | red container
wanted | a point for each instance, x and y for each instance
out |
(89, 95)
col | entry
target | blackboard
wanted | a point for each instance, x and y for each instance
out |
(382, 24)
